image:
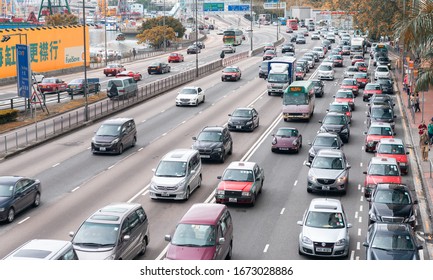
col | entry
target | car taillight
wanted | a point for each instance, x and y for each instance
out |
(347, 113)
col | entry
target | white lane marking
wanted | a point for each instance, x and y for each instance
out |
(296, 182)
(266, 248)
(358, 245)
(111, 166)
(22, 221)
(356, 214)
(184, 121)
(352, 255)
(74, 189)
(360, 220)
(163, 111)
(141, 192)
(164, 134)
(362, 198)
(362, 148)
(362, 189)
(359, 232)
(56, 164)
(140, 149)
(360, 164)
(361, 208)
(282, 211)
(143, 121)
(359, 186)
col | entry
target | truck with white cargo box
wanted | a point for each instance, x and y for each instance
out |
(357, 46)
(281, 73)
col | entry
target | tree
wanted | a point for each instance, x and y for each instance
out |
(156, 35)
(175, 25)
(61, 20)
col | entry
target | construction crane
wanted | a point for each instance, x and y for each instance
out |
(51, 7)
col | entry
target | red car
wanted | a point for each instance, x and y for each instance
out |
(361, 78)
(394, 148)
(136, 75)
(113, 69)
(361, 66)
(299, 73)
(357, 58)
(350, 84)
(381, 170)
(370, 89)
(241, 182)
(269, 54)
(286, 139)
(231, 73)
(377, 131)
(175, 57)
(343, 95)
(52, 85)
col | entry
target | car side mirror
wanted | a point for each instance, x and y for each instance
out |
(333, 96)
(368, 199)
(364, 172)
(348, 166)
(365, 132)
(415, 201)
(394, 134)
(153, 170)
(395, 116)
(320, 121)
(230, 115)
(365, 244)
(167, 237)
(71, 234)
(219, 177)
(308, 164)
(221, 240)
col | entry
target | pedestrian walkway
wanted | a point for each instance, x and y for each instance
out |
(413, 120)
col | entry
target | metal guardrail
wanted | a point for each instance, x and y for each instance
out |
(42, 131)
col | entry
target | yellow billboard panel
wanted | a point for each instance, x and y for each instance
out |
(51, 48)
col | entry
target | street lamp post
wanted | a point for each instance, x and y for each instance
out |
(251, 26)
(86, 107)
(105, 32)
(163, 25)
(196, 38)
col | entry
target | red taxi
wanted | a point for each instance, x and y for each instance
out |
(52, 85)
(361, 66)
(136, 75)
(299, 73)
(371, 89)
(361, 78)
(381, 170)
(394, 148)
(377, 131)
(231, 73)
(345, 96)
(350, 84)
(113, 69)
(241, 182)
(357, 58)
(175, 57)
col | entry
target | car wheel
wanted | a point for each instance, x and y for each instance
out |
(230, 252)
(253, 200)
(223, 157)
(120, 150)
(143, 246)
(134, 141)
(222, 79)
(37, 200)
(187, 193)
(11, 215)
(231, 149)
(199, 182)
(204, 98)
(309, 190)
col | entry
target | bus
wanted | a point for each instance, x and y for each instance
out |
(298, 101)
(292, 23)
(233, 37)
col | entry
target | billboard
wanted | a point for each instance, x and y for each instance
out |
(50, 48)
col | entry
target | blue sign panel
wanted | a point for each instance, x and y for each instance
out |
(238, 8)
(24, 72)
(213, 7)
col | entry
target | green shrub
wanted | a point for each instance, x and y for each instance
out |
(9, 115)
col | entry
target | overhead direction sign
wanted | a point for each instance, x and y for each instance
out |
(213, 7)
(239, 8)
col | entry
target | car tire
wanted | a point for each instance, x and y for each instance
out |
(223, 157)
(222, 80)
(199, 181)
(143, 247)
(204, 98)
(11, 215)
(253, 200)
(231, 149)
(37, 200)
(120, 149)
(309, 190)
(230, 252)
(134, 141)
(187, 193)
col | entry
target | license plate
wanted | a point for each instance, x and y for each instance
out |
(325, 250)
(284, 149)
(325, 188)
(102, 149)
(232, 199)
(205, 156)
(238, 127)
(164, 194)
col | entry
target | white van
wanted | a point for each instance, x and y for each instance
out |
(122, 87)
(177, 175)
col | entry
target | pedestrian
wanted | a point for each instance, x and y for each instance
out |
(430, 131)
(412, 101)
(222, 55)
(405, 80)
(424, 144)
(416, 105)
(134, 52)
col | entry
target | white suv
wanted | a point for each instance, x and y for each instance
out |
(381, 72)
(326, 71)
(325, 230)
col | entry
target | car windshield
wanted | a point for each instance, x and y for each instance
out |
(391, 149)
(287, 132)
(317, 83)
(239, 175)
(392, 196)
(171, 169)
(379, 130)
(299, 69)
(155, 64)
(276, 78)
(344, 94)
(76, 81)
(325, 68)
(382, 113)
(382, 69)
(6, 190)
(188, 91)
(338, 108)
(388, 240)
(109, 130)
(360, 76)
(324, 220)
(97, 234)
(242, 113)
(348, 82)
(326, 142)
(210, 136)
(113, 66)
(322, 162)
(269, 52)
(383, 169)
(49, 80)
(330, 119)
(192, 235)
(372, 87)
(230, 70)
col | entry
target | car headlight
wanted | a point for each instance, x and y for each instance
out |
(2, 209)
(180, 184)
(311, 178)
(322, 129)
(345, 130)
(246, 194)
(269, 86)
(341, 179)
(341, 242)
(217, 149)
(306, 240)
(295, 142)
(220, 192)
(115, 141)
(249, 122)
(373, 216)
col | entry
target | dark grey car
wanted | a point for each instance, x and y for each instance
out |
(213, 143)
(114, 136)
(243, 119)
(322, 141)
(387, 85)
(319, 87)
(337, 123)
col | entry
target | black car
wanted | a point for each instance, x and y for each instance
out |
(392, 203)
(336, 123)
(391, 241)
(287, 48)
(114, 136)
(16, 194)
(200, 44)
(383, 60)
(381, 113)
(303, 63)
(263, 70)
(158, 68)
(243, 119)
(386, 84)
(324, 140)
(326, 44)
(293, 39)
(319, 87)
(193, 49)
(377, 99)
(213, 143)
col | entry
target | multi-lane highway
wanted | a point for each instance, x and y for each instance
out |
(76, 183)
